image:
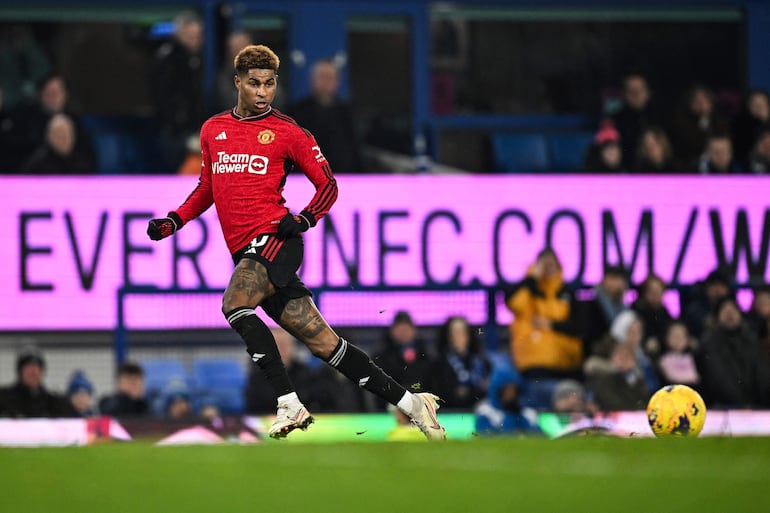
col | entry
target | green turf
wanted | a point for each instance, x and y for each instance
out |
(508, 475)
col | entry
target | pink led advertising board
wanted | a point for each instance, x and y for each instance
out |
(68, 244)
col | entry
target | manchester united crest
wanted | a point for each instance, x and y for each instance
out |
(266, 136)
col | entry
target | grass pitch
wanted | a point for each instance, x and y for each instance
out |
(524, 475)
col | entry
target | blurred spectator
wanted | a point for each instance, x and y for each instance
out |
(701, 299)
(501, 412)
(80, 392)
(22, 64)
(634, 116)
(718, 157)
(329, 119)
(598, 313)
(654, 154)
(259, 395)
(8, 162)
(626, 329)
(59, 153)
(405, 356)
(653, 313)
(178, 87)
(569, 396)
(227, 93)
(193, 161)
(544, 336)
(617, 384)
(759, 162)
(28, 397)
(693, 124)
(461, 372)
(545, 343)
(129, 397)
(208, 409)
(333, 392)
(677, 363)
(175, 401)
(758, 317)
(29, 127)
(752, 120)
(605, 155)
(735, 369)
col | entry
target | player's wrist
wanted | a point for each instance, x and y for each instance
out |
(308, 217)
(176, 219)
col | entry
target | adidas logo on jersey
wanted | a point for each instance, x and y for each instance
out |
(221, 137)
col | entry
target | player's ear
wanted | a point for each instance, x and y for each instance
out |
(237, 81)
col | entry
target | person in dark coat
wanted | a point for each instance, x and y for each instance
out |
(129, 399)
(634, 116)
(178, 87)
(329, 119)
(461, 371)
(59, 155)
(598, 313)
(693, 124)
(736, 370)
(749, 123)
(405, 356)
(28, 397)
(653, 313)
(27, 128)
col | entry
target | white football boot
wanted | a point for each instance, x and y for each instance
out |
(290, 416)
(423, 416)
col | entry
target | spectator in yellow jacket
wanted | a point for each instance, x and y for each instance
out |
(544, 334)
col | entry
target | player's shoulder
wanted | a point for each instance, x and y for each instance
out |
(216, 119)
(287, 122)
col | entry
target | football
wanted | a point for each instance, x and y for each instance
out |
(676, 410)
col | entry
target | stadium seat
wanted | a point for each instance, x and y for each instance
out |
(567, 150)
(218, 373)
(537, 393)
(158, 373)
(222, 380)
(520, 153)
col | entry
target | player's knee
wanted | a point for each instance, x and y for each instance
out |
(229, 304)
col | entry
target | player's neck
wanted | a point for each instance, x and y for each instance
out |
(241, 112)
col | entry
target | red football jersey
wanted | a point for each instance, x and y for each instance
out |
(245, 163)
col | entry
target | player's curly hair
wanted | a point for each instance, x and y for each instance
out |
(255, 56)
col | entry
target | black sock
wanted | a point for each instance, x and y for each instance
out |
(260, 344)
(361, 370)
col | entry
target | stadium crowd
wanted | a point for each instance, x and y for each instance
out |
(571, 355)
(567, 354)
(40, 132)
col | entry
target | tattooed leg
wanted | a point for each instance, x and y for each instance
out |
(302, 319)
(248, 286)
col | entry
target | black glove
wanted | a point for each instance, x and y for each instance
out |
(291, 225)
(163, 227)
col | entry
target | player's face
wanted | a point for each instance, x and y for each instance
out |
(256, 91)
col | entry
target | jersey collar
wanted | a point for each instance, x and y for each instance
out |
(251, 118)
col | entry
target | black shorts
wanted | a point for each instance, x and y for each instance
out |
(281, 258)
